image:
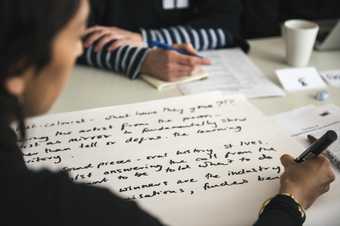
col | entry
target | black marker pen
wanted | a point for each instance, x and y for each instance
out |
(318, 146)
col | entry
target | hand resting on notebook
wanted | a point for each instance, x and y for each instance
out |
(170, 65)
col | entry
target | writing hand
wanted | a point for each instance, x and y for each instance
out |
(171, 65)
(308, 180)
(104, 35)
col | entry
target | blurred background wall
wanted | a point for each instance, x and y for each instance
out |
(262, 18)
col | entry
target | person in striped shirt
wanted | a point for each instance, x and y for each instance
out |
(120, 30)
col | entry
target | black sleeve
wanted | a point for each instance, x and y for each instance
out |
(281, 211)
(99, 207)
(69, 203)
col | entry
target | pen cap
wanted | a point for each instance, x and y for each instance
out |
(324, 142)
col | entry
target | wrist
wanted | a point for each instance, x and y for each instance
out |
(145, 69)
(296, 195)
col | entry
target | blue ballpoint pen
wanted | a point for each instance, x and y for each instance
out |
(153, 44)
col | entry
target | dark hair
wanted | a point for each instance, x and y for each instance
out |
(28, 29)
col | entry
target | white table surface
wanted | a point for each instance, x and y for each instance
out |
(91, 88)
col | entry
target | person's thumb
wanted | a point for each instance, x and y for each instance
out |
(287, 160)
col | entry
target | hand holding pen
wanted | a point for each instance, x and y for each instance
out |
(318, 146)
(310, 175)
(171, 63)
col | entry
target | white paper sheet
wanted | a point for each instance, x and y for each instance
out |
(332, 77)
(316, 121)
(232, 72)
(191, 161)
(312, 120)
(298, 79)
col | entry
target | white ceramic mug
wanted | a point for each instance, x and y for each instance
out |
(300, 37)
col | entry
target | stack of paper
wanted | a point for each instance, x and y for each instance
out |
(232, 72)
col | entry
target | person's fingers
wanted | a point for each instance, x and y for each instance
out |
(170, 76)
(174, 72)
(117, 44)
(93, 29)
(191, 60)
(207, 61)
(191, 50)
(322, 162)
(104, 41)
(183, 73)
(331, 177)
(179, 65)
(287, 160)
(323, 158)
(118, 30)
(177, 72)
(187, 47)
(326, 189)
(92, 38)
(170, 71)
(178, 58)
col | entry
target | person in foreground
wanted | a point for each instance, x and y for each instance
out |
(40, 54)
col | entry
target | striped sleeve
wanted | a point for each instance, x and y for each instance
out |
(201, 38)
(126, 59)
